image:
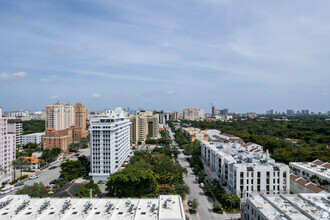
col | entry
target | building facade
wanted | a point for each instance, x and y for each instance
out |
(194, 134)
(33, 138)
(58, 139)
(109, 143)
(16, 126)
(244, 172)
(7, 150)
(175, 116)
(191, 114)
(80, 115)
(60, 117)
(143, 125)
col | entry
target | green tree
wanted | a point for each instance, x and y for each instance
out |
(70, 170)
(94, 187)
(132, 182)
(85, 164)
(182, 190)
(82, 192)
(195, 204)
(35, 190)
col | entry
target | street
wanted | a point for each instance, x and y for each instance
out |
(47, 175)
(205, 208)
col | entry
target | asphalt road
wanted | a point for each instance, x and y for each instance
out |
(47, 175)
(205, 208)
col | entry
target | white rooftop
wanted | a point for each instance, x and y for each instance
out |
(293, 206)
(318, 167)
(23, 207)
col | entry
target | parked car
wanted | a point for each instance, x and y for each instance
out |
(47, 187)
(52, 182)
(33, 177)
(53, 167)
(19, 184)
(6, 190)
(99, 182)
(201, 185)
(190, 203)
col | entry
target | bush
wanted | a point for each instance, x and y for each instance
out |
(192, 211)
(23, 177)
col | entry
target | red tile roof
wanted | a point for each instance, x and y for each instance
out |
(318, 162)
(314, 188)
(326, 165)
(247, 144)
(301, 181)
(293, 177)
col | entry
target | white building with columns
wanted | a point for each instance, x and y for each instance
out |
(242, 172)
(109, 143)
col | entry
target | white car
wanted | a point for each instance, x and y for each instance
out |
(33, 177)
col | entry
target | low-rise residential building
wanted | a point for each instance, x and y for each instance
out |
(33, 138)
(195, 134)
(300, 185)
(58, 139)
(250, 146)
(213, 135)
(317, 171)
(242, 172)
(302, 206)
(16, 126)
(109, 143)
(22, 207)
(228, 138)
(31, 163)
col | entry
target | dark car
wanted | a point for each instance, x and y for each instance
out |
(52, 182)
(53, 167)
(19, 184)
(190, 203)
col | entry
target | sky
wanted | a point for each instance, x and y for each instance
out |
(241, 55)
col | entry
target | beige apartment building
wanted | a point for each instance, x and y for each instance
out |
(144, 124)
(175, 115)
(60, 117)
(191, 114)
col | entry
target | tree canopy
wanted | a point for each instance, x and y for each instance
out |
(35, 190)
(70, 170)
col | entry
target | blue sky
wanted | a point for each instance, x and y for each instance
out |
(243, 55)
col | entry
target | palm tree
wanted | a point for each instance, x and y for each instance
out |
(14, 164)
(21, 162)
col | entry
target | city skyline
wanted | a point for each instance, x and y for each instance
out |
(166, 55)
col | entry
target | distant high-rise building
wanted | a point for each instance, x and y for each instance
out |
(290, 112)
(213, 111)
(80, 115)
(305, 112)
(144, 124)
(271, 112)
(109, 143)
(65, 124)
(7, 150)
(60, 116)
(175, 115)
(16, 126)
(191, 114)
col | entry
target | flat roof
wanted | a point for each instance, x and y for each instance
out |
(22, 207)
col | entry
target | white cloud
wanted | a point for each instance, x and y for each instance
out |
(54, 97)
(96, 95)
(12, 76)
(170, 93)
(50, 78)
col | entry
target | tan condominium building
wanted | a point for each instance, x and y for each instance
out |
(80, 115)
(175, 115)
(191, 114)
(144, 124)
(65, 124)
(60, 117)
